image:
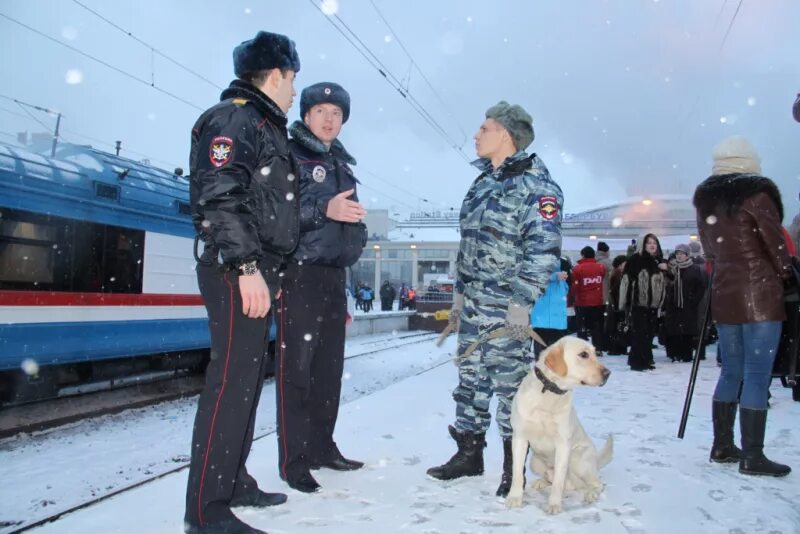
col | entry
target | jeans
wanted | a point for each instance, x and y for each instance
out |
(748, 351)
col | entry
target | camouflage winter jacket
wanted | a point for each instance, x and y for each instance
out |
(510, 231)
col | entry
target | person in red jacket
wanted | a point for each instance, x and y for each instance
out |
(587, 285)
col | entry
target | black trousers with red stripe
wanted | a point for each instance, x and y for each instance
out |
(309, 364)
(226, 411)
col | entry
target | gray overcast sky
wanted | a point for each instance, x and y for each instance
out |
(628, 96)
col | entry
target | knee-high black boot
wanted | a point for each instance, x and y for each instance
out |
(753, 425)
(724, 416)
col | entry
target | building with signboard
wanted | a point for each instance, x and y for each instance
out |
(423, 247)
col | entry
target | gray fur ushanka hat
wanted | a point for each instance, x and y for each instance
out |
(515, 120)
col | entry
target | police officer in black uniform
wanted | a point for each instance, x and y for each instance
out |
(313, 306)
(245, 208)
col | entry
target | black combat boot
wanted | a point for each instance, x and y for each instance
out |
(753, 424)
(508, 464)
(467, 462)
(724, 416)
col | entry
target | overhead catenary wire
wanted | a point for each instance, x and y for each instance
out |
(371, 188)
(730, 26)
(409, 98)
(70, 131)
(100, 61)
(397, 187)
(24, 109)
(390, 78)
(416, 66)
(698, 98)
(153, 49)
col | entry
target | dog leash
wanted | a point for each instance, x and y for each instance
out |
(500, 332)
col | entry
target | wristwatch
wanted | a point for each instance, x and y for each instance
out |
(248, 268)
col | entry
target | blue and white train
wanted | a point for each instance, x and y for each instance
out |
(96, 265)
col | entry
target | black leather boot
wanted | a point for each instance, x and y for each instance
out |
(753, 424)
(259, 499)
(508, 464)
(467, 461)
(304, 482)
(337, 462)
(724, 416)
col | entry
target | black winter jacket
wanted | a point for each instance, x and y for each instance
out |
(242, 188)
(324, 173)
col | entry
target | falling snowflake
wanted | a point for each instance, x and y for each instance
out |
(206, 223)
(329, 7)
(73, 77)
(387, 38)
(307, 337)
(247, 11)
(751, 101)
(265, 170)
(720, 239)
(616, 222)
(290, 177)
(711, 219)
(290, 196)
(30, 367)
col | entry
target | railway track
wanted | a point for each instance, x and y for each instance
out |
(52, 413)
(18, 527)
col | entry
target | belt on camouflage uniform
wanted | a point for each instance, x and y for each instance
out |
(500, 332)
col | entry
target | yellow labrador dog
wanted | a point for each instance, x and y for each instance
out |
(543, 417)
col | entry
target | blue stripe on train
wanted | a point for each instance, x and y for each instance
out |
(60, 343)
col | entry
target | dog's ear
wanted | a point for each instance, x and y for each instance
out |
(555, 359)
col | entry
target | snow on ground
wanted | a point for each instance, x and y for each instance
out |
(655, 484)
(54, 470)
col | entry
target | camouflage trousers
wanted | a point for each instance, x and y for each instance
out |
(496, 367)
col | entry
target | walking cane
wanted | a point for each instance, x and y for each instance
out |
(695, 364)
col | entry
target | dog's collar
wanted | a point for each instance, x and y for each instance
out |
(547, 384)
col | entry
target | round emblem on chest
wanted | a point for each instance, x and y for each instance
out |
(319, 173)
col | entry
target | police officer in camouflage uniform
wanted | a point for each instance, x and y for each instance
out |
(510, 245)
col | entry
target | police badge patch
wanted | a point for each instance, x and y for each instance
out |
(319, 173)
(220, 151)
(548, 207)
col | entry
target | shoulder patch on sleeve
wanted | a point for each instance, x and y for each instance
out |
(240, 101)
(548, 207)
(220, 151)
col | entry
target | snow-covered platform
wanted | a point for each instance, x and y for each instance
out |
(656, 483)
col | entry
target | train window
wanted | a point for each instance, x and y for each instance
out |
(110, 192)
(43, 252)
